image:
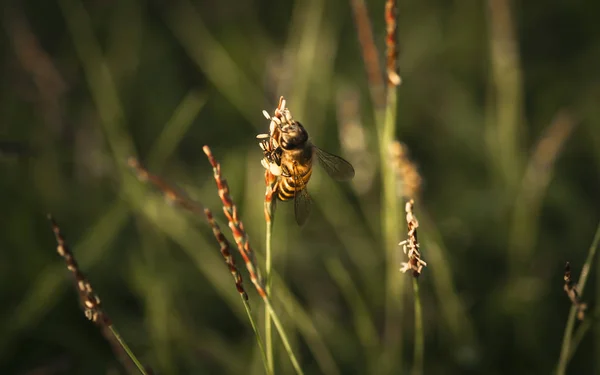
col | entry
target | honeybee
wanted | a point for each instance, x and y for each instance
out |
(289, 154)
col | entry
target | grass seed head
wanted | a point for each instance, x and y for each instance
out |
(571, 289)
(406, 171)
(235, 224)
(89, 300)
(410, 246)
(391, 42)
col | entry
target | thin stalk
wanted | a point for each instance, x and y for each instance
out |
(268, 286)
(580, 333)
(389, 206)
(565, 352)
(268, 371)
(127, 350)
(283, 336)
(385, 107)
(269, 207)
(390, 218)
(566, 344)
(369, 51)
(419, 341)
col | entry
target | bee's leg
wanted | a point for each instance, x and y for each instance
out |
(265, 146)
(285, 172)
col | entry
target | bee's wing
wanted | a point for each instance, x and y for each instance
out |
(302, 206)
(336, 167)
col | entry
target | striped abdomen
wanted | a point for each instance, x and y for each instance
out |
(297, 169)
(288, 186)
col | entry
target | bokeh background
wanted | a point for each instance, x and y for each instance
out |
(499, 108)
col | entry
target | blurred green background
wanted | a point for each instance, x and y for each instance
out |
(499, 106)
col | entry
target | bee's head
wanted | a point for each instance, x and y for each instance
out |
(293, 136)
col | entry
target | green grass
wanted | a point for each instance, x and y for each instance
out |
(504, 133)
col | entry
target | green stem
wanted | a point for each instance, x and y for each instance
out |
(389, 219)
(268, 282)
(283, 336)
(565, 352)
(419, 341)
(130, 354)
(268, 371)
(580, 333)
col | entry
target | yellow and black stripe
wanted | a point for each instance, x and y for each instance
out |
(288, 187)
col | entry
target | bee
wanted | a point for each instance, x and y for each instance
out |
(289, 154)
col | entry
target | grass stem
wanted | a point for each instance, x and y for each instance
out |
(268, 370)
(268, 286)
(580, 333)
(565, 352)
(419, 340)
(390, 219)
(284, 339)
(269, 207)
(127, 350)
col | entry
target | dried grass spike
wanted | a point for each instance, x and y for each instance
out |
(369, 52)
(92, 307)
(268, 142)
(89, 300)
(225, 251)
(571, 290)
(235, 224)
(411, 244)
(391, 42)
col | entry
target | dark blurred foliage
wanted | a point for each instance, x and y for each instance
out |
(86, 84)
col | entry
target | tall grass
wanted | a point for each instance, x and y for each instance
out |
(332, 290)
